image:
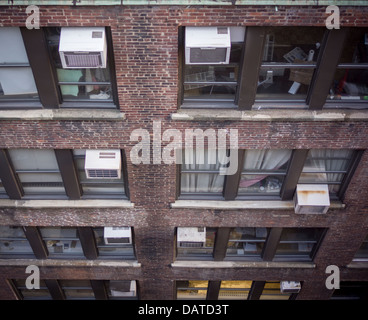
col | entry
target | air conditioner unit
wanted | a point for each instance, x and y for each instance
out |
(311, 198)
(83, 47)
(103, 164)
(290, 286)
(191, 237)
(117, 235)
(123, 288)
(207, 45)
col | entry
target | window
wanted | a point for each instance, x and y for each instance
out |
(191, 290)
(298, 244)
(211, 84)
(201, 173)
(92, 85)
(272, 291)
(30, 294)
(62, 242)
(350, 78)
(197, 250)
(268, 174)
(263, 172)
(281, 67)
(326, 166)
(288, 62)
(253, 244)
(54, 174)
(362, 253)
(77, 289)
(117, 249)
(234, 290)
(16, 78)
(94, 188)
(246, 242)
(38, 172)
(14, 244)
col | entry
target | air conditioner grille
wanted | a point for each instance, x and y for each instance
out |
(188, 244)
(102, 173)
(83, 60)
(211, 55)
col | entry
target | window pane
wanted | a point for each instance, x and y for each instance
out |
(355, 47)
(16, 77)
(350, 85)
(114, 250)
(122, 289)
(297, 243)
(284, 83)
(191, 290)
(362, 253)
(197, 250)
(326, 166)
(246, 243)
(285, 44)
(62, 242)
(264, 171)
(272, 291)
(203, 175)
(77, 289)
(38, 171)
(96, 188)
(92, 84)
(13, 242)
(33, 294)
(234, 290)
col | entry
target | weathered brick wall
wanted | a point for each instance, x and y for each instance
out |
(145, 42)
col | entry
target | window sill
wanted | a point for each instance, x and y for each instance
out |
(269, 115)
(62, 114)
(69, 263)
(358, 265)
(236, 205)
(232, 264)
(66, 203)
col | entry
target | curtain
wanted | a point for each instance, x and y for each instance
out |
(201, 160)
(262, 160)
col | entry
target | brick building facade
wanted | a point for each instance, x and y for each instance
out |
(146, 80)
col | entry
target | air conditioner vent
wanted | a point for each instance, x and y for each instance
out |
(191, 237)
(83, 60)
(103, 164)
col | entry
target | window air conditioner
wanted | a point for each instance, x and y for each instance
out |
(123, 288)
(191, 237)
(311, 198)
(103, 164)
(117, 235)
(207, 45)
(290, 286)
(83, 47)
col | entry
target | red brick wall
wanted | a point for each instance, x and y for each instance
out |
(145, 41)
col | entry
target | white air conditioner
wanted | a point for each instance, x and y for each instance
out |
(117, 235)
(311, 198)
(123, 288)
(103, 164)
(191, 237)
(83, 47)
(290, 286)
(207, 45)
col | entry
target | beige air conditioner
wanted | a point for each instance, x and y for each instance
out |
(117, 235)
(311, 198)
(103, 164)
(207, 45)
(83, 47)
(191, 237)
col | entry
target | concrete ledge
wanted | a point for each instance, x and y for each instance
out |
(237, 205)
(238, 264)
(63, 114)
(66, 203)
(69, 263)
(270, 115)
(358, 265)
